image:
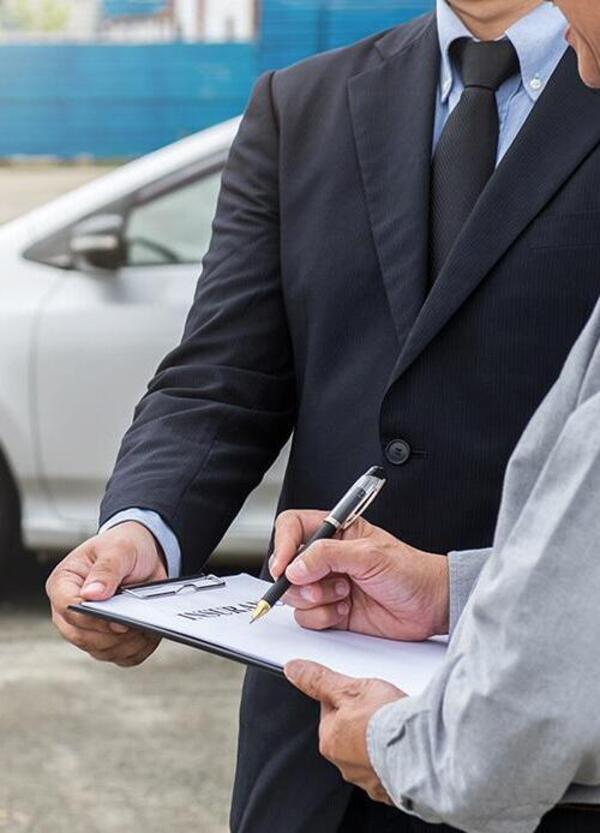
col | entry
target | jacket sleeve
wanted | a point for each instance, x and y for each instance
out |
(511, 721)
(222, 404)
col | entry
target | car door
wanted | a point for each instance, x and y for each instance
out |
(103, 333)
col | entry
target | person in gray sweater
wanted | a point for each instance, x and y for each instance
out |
(509, 728)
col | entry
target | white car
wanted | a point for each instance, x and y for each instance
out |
(94, 291)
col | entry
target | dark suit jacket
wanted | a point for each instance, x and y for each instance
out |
(313, 315)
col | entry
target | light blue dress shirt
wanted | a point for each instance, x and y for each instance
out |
(540, 44)
(539, 40)
(161, 531)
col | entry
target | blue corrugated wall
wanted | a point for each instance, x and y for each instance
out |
(127, 8)
(123, 101)
(117, 101)
(294, 29)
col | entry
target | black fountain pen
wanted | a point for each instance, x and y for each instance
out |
(351, 506)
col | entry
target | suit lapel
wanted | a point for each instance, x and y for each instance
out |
(392, 109)
(561, 131)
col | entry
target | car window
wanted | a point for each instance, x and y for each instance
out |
(175, 227)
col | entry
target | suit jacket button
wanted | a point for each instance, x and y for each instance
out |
(398, 452)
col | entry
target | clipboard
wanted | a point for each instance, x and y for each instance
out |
(173, 587)
(213, 615)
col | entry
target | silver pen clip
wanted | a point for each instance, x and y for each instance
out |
(372, 490)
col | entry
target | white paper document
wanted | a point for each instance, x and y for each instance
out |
(220, 617)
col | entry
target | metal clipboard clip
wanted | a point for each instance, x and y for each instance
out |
(157, 589)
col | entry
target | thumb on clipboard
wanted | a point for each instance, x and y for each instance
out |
(125, 554)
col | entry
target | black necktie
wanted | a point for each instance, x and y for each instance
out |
(466, 154)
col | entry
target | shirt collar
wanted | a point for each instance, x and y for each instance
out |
(538, 39)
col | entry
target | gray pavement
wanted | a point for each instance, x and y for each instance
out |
(86, 747)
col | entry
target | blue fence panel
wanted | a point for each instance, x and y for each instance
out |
(115, 101)
(291, 30)
(109, 101)
(129, 8)
(295, 29)
(349, 21)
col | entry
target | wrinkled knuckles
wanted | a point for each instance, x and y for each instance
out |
(285, 518)
(317, 619)
(353, 690)
(316, 552)
(315, 678)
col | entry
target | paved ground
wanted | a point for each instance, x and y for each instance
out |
(85, 747)
(89, 748)
(29, 184)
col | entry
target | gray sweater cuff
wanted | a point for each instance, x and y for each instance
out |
(464, 569)
(404, 748)
(400, 751)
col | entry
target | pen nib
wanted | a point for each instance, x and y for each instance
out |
(261, 609)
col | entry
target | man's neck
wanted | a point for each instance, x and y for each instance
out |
(489, 19)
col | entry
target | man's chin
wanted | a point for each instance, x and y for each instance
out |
(590, 76)
(589, 64)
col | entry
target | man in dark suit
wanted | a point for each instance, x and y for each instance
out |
(387, 309)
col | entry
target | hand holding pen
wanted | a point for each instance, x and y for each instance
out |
(354, 503)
